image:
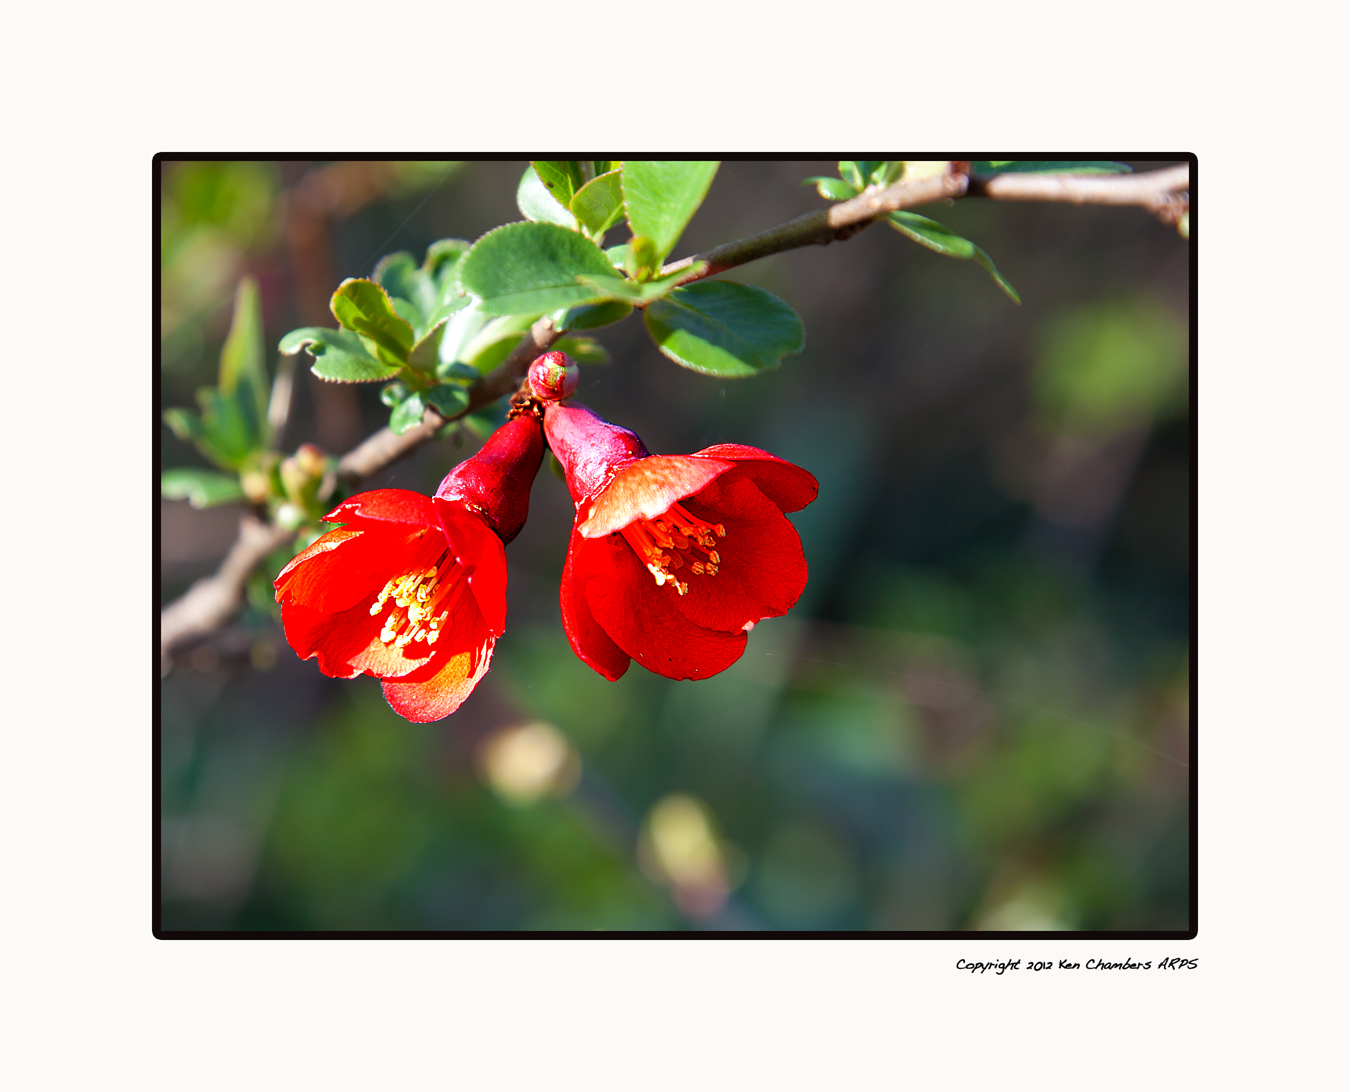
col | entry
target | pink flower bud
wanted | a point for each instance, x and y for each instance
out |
(553, 377)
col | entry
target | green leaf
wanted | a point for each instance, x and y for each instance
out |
(406, 415)
(394, 393)
(243, 361)
(532, 268)
(848, 171)
(365, 307)
(410, 313)
(562, 178)
(592, 315)
(599, 203)
(1047, 166)
(642, 292)
(871, 170)
(188, 426)
(536, 202)
(457, 372)
(442, 254)
(339, 355)
(661, 198)
(426, 353)
(583, 350)
(395, 274)
(449, 399)
(200, 488)
(725, 329)
(942, 239)
(832, 189)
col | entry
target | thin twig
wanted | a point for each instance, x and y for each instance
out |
(1150, 189)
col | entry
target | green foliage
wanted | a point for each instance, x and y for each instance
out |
(934, 236)
(660, 198)
(365, 308)
(532, 268)
(592, 316)
(339, 355)
(599, 203)
(725, 329)
(232, 426)
(537, 202)
(200, 488)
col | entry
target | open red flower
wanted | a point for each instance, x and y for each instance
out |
(412, 589)
(673, 558)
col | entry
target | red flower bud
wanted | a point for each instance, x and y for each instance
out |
(553, 377)
(673, 558)
(412, 589)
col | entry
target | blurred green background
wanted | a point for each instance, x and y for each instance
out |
(977, 716)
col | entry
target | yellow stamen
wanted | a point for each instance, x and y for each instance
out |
(418, 596)
(672, 540)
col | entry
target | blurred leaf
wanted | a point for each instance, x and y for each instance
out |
(832, 189)
(848, 171)
(562, 178)
(200, 488)
(1108, 367)
(339, 355)
(449, 399)
(583, 350)
(442, 254)
(532, 268)
(456, 372)
(661, 198)
(871, 170)
(393, 393)
(243, 363)
(395, 272)
(1008, 166)
(406, 415)
(942, 239)
(410, 313)
(365, 307)
(425, 354)
(725, 329)
(599, 203)
(536, 202)
(592, 315)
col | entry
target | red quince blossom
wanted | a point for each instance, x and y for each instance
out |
(412, 589)
(673, 558)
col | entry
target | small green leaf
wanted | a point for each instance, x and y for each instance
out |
(406, 415)
(599, 203)
(395, 272)
(1047, 166)
(443, 253)
(832, 189)
(200, 488)
(562, 178)
(583, 350)
(942, 239)
(642, 292)
(725, 329)
(426, 353)
(457, 372)
(536, 202)
(848, 171)
(339, 355)
(871, 170)
(592, 315)
(243, 363)
(532, 268)
(448, 399)
(410, 313)
(365, 307)
(661, 198)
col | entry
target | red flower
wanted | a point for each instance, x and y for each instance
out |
(412, 589)
(673, 558)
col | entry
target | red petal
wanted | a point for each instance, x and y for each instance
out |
(441, 687)
(347, 643)
(762, 570)
(643, 620)
(392, 505)
(786, 484)
(587, 639)
(479, 550)
(647, 488)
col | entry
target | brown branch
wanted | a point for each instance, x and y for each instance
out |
(211, 600)
(824, 225)
(1152, 189)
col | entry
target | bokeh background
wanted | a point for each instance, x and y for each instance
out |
(977, 716)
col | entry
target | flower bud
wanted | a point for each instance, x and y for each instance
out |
(553, 377)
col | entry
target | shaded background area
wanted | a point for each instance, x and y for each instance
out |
(975, 718)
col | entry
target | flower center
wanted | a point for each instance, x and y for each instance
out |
(423, 600)
(675, 540)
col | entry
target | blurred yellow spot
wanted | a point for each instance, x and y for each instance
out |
(679, 848)
(527, 762)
